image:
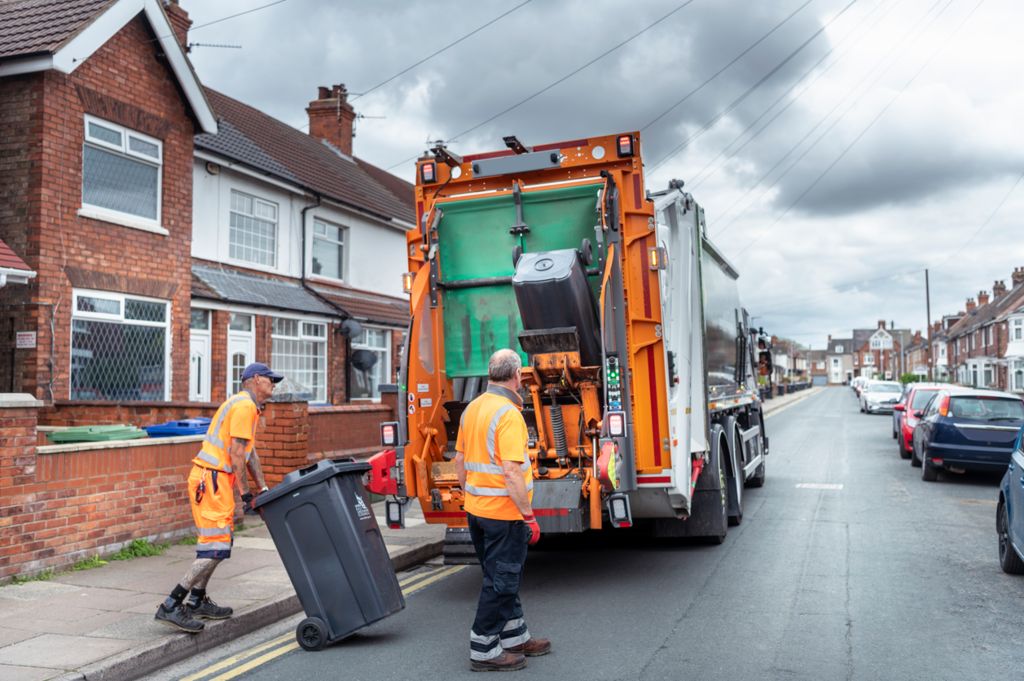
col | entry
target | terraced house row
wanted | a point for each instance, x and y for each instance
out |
(158, 235)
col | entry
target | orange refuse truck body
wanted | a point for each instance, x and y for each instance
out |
(640, 394)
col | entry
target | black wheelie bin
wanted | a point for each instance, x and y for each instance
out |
(328, 539)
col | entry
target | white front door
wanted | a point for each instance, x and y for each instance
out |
(241, 349)
(199, 368)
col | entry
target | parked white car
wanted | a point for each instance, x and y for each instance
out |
(879, 397)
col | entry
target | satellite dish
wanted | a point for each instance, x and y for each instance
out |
(351, 328)
(363, 360)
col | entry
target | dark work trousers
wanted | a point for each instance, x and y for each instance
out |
(501, 547)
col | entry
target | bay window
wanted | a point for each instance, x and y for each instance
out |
(299, 351)
(119, 347)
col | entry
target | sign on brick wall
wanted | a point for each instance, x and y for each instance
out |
(25, 340)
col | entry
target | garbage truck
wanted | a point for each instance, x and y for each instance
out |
(639, 363)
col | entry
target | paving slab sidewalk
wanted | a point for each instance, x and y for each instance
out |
(97, 624)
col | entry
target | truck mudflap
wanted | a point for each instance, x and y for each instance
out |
(458, 547)
(559, 506)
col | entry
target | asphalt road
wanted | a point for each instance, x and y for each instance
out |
(847, 566)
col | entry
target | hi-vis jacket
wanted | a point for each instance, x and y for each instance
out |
(492, 431)
(236, 418)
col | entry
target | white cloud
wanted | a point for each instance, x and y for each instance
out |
(905, 197)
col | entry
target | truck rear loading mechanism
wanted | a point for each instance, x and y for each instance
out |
(640, 394)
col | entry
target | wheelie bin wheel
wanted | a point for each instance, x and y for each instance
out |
(311, 633)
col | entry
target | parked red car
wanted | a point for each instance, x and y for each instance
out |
(915, 400)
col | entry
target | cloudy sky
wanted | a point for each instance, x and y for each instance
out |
(839, 147)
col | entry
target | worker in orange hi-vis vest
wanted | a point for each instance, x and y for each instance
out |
(495, 474)
(228, 449)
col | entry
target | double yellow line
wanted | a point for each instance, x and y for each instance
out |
(237, 665)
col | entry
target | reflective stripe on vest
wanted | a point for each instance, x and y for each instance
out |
(213, 531)
(212, 437)
(493, 491)
(213, 434)
(493, 469)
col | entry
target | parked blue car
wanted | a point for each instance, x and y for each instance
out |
(1010, 514)
(965, 429)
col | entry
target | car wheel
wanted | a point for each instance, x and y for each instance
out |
(894, 435)
(1008, 558)
(902, 443)
(929, 472)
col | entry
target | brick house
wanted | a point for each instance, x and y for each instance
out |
(99, 107)
(986, 345)
(940, 346)
(817, 366)
(294, 235)
(916, 355)
(172, 251)
(839, 360)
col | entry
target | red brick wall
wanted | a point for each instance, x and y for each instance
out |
(40, 194)
(347, 429)
(57, 508)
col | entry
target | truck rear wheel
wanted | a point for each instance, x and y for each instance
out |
(709, 510)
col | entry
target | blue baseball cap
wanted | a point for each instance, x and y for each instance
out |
(260, 369)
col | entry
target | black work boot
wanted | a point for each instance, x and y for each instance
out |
(178, 617)
(208, 610)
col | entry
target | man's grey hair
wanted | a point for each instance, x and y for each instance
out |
(502, 366)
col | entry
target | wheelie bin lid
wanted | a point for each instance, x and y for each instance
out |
(311, 475)
(196, 426)
(95, 434)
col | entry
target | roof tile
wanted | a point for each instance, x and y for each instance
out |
(10, 259)
(259, 140)
(29, 27)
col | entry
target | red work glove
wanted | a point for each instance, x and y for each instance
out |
(531, 522)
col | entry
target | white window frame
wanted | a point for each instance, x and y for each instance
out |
(124, 149)
(869, 359)
(277, 228)
(107, 317)
(302, 336)
(389, 343)
(839, 349)
(344, 244)
(1016, 329)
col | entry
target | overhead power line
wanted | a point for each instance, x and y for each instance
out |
(230, 16)
(443, 49)
(729, 151)
(722, 70)
(557, 81)
(736, 102)
(866, 128)
(852, 96)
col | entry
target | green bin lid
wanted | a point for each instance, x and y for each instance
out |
(95, 434)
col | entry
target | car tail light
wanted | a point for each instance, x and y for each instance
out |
(944, 405)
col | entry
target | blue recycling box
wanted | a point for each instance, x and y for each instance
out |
(195, 426)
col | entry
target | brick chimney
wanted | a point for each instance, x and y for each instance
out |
(881, 323)
(179, 21)
(1017, 278)
(998, 289)
(982, 298)
(970, 305)
(331, 118)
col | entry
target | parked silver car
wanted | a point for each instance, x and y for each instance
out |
(879, 397)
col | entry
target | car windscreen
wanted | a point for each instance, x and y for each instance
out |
(921, 398)
(986, 408)
(885, 388)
